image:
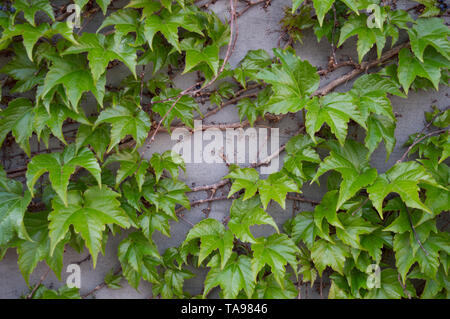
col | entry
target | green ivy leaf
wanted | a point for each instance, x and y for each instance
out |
(246, 178)
(131, 164)
(173, 281)
(18, 118)
(300, 149)
(148, 6)
(170, 161)
(32, 252)
(139, 258)
(13, 205)
(168, 194)
(402, 179)
(269, 288)
(327, 209)
(380, 128)
(390, 287)
(212, 235)
(151, 220)
(98, 138)
(324, 254)
(104, 49)
(197, 55)
(60, 167)
(293, 82)
(336, 109)
(30, 7)
(168, 24)
(126, 21)
(103, 4)
(367, 37)
(410, 67)
(112, 280)
(429, 32)
(62, 293)
(76, 79)
(253, 62)
(322, 7)
(24, 71)
(277, 251)
(375, 241)
(88, 212)
(54, 118)
(351, 161)
(183, 108)
(244, 214)
(235, 276)
(125, 119)
(276, 187)
(353, 228)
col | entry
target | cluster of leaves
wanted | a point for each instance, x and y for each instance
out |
(99, 185)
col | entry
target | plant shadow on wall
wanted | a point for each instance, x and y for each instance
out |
(373, 234)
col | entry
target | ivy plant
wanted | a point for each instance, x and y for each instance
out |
(98, 183)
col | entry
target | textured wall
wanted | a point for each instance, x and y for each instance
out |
(258, 29)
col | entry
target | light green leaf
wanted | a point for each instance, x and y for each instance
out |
(32, 252)
(276, 187)
(235, 276)
(76, 79)
(168, 194)
(409, 68)
(30, 7)
(352, 163)
(170, 161)
(429, 32)
(277, 251)
(402, 179)
(125, 119)
(353, 228)
(335, 109)
(244, 214)
(13, 205)
(322, 7)
(131, 164)
(212, 235)
(324, 254)
(293, 82)
(183, 108)
(246, 178)
(60, 167)
(102, 50)
(18, 118)
(88, 212)
(139, 258)
(208, 55)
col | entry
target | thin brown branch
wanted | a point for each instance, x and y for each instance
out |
(417, 141)
(100, 286)
(302, 199)
(31, 294)
(363, 67)
(203, 201)
(251, 4)
(209, 187)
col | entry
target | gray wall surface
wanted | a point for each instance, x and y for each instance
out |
(258, 29)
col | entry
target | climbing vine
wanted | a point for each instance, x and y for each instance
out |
(85, 179)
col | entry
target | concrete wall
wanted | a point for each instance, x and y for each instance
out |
(258, 29)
